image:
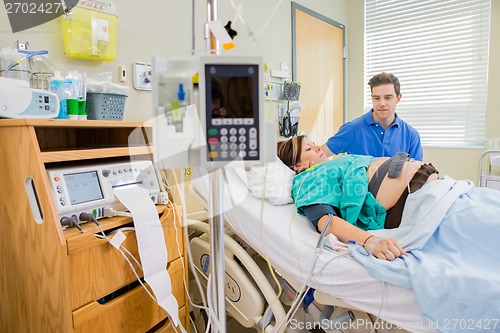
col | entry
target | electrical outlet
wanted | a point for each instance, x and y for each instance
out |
(22, 46)
(142, 76)
(122, 74)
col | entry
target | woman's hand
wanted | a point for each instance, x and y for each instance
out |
(384, 248)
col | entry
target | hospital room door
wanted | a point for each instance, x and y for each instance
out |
(319, 65)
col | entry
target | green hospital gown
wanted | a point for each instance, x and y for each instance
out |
(343, 183)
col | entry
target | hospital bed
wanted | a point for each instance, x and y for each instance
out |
(346, 297)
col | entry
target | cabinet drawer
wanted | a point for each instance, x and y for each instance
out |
(169, 327)
(131, 312)
(99, 269)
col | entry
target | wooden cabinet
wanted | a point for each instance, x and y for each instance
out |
(55, 280)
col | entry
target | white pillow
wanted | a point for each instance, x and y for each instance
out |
(278, 183)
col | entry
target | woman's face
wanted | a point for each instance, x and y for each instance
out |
(310, 155)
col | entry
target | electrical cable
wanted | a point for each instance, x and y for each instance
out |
(188, 248)
(285, 319)
(264, 250)
(119, 248)
(110, 212)
(383, 288)
(122, 250)
(71, 221)
(212, 315)
(205, 306)
(408, 177)
(304, 288)
(194, 271)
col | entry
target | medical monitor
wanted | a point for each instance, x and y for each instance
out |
(90, 188)
(231, 109)
(83, 187)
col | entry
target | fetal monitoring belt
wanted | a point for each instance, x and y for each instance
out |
(392, 167)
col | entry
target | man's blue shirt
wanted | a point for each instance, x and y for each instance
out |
(364, 136)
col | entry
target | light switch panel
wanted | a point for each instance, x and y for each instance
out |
(142, 76)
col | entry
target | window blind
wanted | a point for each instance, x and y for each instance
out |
(439, 51)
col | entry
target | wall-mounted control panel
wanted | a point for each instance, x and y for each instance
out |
(142, 76)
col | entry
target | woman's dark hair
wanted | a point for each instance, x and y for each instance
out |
(289, 150)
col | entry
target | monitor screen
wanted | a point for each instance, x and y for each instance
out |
(232, 91)
(83, 187)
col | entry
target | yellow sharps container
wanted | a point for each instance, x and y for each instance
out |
(89, 30)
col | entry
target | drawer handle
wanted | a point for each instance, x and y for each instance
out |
(36, 209)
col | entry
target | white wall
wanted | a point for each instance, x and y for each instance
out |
(151, 27)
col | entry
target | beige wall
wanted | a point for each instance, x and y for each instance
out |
(156, 26)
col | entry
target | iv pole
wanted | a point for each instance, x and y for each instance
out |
(216, 220)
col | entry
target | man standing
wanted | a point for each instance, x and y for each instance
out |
(379, 132)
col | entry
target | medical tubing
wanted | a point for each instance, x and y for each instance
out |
(195, 273)
(380, 309)
(190, 255)
(408, 178)
(126, 259)
(193, 326)
(305, 287)
(184, 219)
(248, 30)
(88, 217)
(264, 250)
(290, 225)
(30, 54)
(324, 231)
(269, 19)
(252, 268)
(230, 193)
(303, 293)
(212, 315)
(91, 218)
(383, 286)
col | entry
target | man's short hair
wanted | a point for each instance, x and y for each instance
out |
(385, 78)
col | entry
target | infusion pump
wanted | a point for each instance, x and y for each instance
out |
(89, 189)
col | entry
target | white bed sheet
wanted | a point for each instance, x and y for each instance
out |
(289, 241)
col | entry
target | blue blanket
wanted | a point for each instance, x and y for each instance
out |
(452, 233)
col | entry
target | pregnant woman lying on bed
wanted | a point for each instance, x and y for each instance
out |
(449, 228)
(362, 192)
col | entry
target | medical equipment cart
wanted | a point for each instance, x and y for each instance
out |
(489, 175)
(63, 280)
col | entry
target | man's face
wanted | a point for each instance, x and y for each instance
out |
(384, 100)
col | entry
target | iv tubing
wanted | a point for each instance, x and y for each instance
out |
(29, 56)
